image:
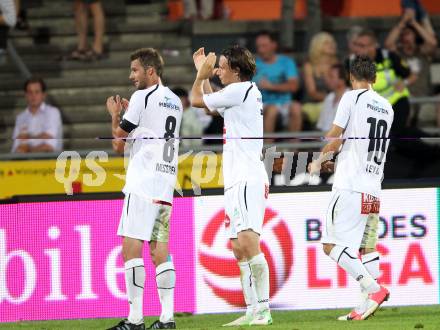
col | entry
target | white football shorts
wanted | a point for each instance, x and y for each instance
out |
(144, 219)
(346, 221)
(245, 205)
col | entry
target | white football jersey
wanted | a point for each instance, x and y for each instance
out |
(152, 169)
(241, 106)
(367, 118)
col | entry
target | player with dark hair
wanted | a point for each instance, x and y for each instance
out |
(356, 189)
(245, 177)
(156, 111)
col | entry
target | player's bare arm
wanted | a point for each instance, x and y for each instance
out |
(323, 163)
(115, 104)
(199, 58)
(204, 72)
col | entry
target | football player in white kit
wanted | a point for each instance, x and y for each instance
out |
(153, 111)
(245, 178)
(363, 120)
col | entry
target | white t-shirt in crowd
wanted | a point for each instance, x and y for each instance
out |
(152, 169)
(242, 108)
(47, 119)
(328, 112)
(363, 114)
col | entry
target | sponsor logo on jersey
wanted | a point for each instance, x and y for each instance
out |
(370, 204)
(376, 107)
(277, 246)
(167, 104)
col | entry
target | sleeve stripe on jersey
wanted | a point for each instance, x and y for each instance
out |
(127, 126)
(148, 95)
(245, 199)
(247, 92)
(359, 95)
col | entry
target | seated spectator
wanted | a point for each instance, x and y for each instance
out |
(39, 127)
(83, 52)
(415, 44)
(337, 82)
(191, 125)
(277, 79)
(322, 56)
(8, 19)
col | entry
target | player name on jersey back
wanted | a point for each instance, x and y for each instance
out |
(166, 168)
(367, 118)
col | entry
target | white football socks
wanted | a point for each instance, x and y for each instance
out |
(248, 287)
(371, 263)
(166, 280)
(260, 276)
(348, 260)
(134, 282)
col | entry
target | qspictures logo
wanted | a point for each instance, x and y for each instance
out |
(277, 245)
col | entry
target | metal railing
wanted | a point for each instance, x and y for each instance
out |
(17, 60)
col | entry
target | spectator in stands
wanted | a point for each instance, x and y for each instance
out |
(39, 127)
(337, 82)
(322, 56)
(204, 11)
(414, 43)
(392, 72)
(414, 9)
(277, 79)
(8, 19)
(191, 125)
(352, 34)
(83, 52)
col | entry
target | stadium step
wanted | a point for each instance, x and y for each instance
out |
(14, 86)
(56, 9)
(72, 114)
(65, 26)
(77, 81)
(115, 60)
(178, 42)
(139, 38)
(81, 96)
(77, 137)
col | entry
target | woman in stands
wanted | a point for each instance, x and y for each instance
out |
(322, 56)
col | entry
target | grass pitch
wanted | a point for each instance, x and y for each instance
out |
(400, 318)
